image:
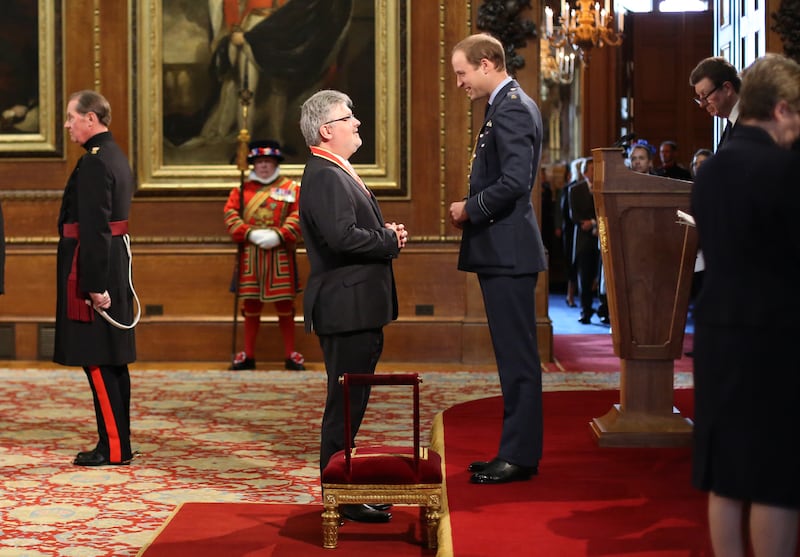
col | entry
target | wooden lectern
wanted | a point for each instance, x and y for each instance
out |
(648, 261)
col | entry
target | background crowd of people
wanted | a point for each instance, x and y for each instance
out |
(569, 222)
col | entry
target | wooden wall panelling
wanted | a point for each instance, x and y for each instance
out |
(599, 93)
(184, 289)
(773, 40)
(662, 95)
(114, 58)
(30, 284)
(699, 126)
(425, 120)
(178, 219)
(30, 215)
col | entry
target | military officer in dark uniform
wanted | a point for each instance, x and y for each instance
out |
(502, 244)
(92, 272)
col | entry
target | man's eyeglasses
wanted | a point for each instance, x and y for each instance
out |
(342, 119)
(700, 100)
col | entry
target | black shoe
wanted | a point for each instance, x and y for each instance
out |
(499, 471)
(585, 319)
(295, 362)
(605, 321)
(478, 466)
(96, 458)
(241, 361)
(481, 465)
(381, 506)
(364, 513)
(85, 454)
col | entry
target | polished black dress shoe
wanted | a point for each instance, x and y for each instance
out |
(95, 458)
(364, 513)
(478, 465)
(481, 465)
(85, 454)
(499, 471)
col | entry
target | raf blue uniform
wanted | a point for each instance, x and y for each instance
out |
(501, 242)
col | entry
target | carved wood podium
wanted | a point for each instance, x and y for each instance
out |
(648, 261)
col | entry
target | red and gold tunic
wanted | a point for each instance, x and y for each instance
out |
(235, 12)
(266, 275)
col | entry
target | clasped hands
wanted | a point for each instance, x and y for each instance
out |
(400, 231)
(264, 238)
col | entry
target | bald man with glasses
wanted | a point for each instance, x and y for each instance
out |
(716, 83)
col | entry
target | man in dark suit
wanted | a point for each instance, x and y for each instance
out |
(350, 294)
(716, 84)
(586, 248)
(502, 244)
(669, 162)
(92, 271)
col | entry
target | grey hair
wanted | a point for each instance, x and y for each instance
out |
(92, 101)
(316, 111)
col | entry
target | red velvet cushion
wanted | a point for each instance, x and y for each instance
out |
(383, 465)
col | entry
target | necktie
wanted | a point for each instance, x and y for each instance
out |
(725, 133)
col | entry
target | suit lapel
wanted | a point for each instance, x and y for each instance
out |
(319, 153)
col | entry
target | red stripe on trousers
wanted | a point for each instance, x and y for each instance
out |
(114, 445)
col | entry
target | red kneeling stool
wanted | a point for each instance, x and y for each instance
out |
(374, 475)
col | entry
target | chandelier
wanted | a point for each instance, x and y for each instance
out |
(584, 28)
(556, 65)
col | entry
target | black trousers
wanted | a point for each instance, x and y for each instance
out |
(511, 312)
(111, 389)
(356, 352)
(587, 260)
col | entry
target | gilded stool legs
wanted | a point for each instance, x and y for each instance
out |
(330, 523)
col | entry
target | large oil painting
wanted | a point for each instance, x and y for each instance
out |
(30, 82)
(207, 69)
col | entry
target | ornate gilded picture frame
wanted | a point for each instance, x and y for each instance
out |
(193, 59)
(30, 79)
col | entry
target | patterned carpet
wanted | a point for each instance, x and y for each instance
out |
(204, 435)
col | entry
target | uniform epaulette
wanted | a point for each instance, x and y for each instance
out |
(512, 93)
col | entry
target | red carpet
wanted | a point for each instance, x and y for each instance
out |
(266, 530)
(585, 501)
(596, 353)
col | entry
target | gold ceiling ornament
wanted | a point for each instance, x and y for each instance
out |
(584, 27)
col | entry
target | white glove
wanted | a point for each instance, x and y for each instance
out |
(265, 238)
